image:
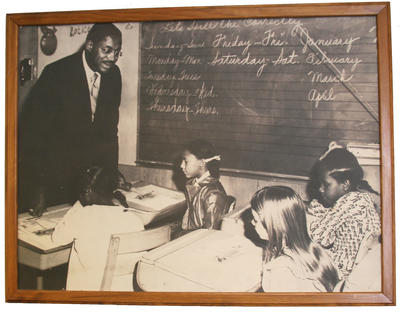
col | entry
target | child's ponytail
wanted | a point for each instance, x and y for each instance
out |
(365, 186)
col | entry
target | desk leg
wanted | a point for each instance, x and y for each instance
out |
(35, 279)
(39, 281)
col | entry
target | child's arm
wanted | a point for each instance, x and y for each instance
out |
(214, 207)
(315, 212)
(343, 219)
(322, 228)
(322, 233)
(65, 229)
(317, 209)
(319, 217)
(360, 219)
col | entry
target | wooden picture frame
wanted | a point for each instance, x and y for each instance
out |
(380, 10)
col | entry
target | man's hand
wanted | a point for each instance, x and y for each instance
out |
(120, 197)
(122, 184)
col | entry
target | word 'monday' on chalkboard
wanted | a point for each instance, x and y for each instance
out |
(270, 94)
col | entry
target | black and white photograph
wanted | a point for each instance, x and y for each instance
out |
(219, 155)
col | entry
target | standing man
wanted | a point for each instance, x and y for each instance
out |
(70, 121)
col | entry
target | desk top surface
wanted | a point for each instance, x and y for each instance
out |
(215, 259)
(35, 232)
(31, 230)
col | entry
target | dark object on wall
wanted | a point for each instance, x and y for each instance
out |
(27, 49)
(25, 70)
(48, 41)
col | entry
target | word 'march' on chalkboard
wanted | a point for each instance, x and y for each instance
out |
(270, 94)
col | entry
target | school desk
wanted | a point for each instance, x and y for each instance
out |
(35, 249)
(202, 260)
(155, 204)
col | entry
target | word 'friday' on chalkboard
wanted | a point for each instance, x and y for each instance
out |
(270, 94)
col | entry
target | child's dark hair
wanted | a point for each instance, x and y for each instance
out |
(341, 165)
(203, 149)
(97, 186)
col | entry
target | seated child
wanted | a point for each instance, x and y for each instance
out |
(89, 225)
(292, 262)
(205, 196)
(344, 212)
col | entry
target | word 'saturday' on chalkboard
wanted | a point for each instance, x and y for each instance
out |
(270, 94)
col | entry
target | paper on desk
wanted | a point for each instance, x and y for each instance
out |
(33, 225)
(153, 198)
(225, 247)
(213, 259)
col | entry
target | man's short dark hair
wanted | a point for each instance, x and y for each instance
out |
(100, 30)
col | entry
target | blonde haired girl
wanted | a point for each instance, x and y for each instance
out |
(293, 263)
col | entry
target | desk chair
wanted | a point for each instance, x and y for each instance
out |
(230, 205)
(232, 222)
(124, 251)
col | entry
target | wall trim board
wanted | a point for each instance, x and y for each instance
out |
(228, 171)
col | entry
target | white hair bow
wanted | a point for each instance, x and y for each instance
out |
(332, 145)
(217, 157)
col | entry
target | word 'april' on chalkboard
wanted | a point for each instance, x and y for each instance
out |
(270, 94)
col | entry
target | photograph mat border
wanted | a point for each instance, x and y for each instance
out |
(382, 12)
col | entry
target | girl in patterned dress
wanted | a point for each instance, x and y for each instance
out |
(344, 212)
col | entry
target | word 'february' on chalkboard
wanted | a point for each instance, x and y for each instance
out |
(270, 94)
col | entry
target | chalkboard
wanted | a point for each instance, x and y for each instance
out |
(270, 94)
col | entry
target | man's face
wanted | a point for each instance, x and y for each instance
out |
(103, 55)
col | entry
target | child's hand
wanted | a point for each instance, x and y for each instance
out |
(316, 209)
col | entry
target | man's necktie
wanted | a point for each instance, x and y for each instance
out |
(94, 92)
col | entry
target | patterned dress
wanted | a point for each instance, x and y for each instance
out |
(341, 228)
(206, 204)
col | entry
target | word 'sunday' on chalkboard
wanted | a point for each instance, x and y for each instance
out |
(270, 94)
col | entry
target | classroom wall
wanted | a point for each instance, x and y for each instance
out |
(242, 186)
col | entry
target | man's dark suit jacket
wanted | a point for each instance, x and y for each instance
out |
(57, 138)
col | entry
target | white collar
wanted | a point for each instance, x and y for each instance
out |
(204, 176)
(89, 72)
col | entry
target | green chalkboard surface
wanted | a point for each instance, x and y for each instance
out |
(270, 94)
